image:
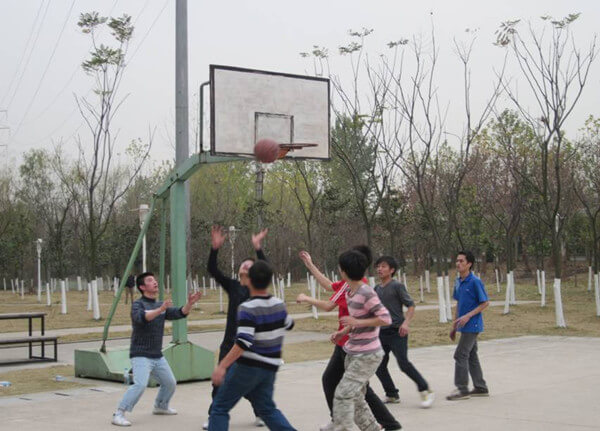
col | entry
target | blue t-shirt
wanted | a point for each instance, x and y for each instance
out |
(469, 293)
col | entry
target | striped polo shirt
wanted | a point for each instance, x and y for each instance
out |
(365, 304)
(262, 322)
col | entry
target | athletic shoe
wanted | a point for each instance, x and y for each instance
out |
(205, 426)
(478, 392)
(427, 398)
(392, 400)
(328, 427)
(259, 422)
(458, 395)
(168, 411)
(119, 419)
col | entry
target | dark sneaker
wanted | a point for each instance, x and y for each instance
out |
(458, 395)
(478, 392)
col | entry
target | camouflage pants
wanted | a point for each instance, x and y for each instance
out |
(349, 405)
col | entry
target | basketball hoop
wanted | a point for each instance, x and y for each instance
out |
(286, 148)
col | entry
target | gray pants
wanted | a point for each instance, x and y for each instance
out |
(467, 362)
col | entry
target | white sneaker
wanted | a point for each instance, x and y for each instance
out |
(167, 411)
(259, 422)
(328, 427)
(119, 419)
(205, 426)
(427, 399)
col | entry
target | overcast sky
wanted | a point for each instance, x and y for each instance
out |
(40, 59)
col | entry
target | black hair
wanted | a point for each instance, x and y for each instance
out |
(364, 249)
(469, 256)
(140, 280)
(251, 259)
(390, 261)
(260, 274)
(354, 264)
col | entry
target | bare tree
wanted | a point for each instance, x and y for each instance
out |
(97, 181)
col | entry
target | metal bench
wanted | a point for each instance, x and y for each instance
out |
(30, 341)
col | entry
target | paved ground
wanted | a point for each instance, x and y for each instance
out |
(537, 383)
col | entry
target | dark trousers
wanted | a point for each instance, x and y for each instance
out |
(223, 350)
(391, 341)
(467, 362)
(331, 377)
(254, 383)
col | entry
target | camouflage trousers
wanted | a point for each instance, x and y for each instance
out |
(349, 405)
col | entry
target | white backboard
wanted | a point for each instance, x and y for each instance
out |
(249, 105)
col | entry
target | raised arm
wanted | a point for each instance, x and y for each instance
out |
(257, 244)
(217, 236)
(312, 268)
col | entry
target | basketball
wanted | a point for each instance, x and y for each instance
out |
(266, 150)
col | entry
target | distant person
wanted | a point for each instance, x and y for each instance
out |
(394, 338)
(335, 368)
(249, 368)
(472, 299)
(363, 348)
(237, 291)
(148, 317)
(129, 285)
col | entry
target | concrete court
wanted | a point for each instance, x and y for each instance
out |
(536, 383)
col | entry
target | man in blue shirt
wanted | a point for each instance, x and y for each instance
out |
(472, 299)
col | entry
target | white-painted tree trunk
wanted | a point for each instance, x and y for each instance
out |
(507, 296)
(95, 300)
(441, 301)
(372, 281)
(312, 285)
(543, 300)
(558, 308)
(4, 283)
(289, 279)
(48, 296)
(220, 299)
(427, 281)
(79, 283)
(404, 279)
(67, 284)
(12, 285)
(22, 289)
(282, 290)
(597, 292)
(90, 300)
(513, 296)
(421, 288)
(590, 276)
(168, 283)
(99, 283)
(447, 299)
(538, 281)
(497, 280)
(63, 298)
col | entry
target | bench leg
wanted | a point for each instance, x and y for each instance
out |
(55, 350)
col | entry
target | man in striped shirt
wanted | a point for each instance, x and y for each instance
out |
(363, 348)
(248, 370)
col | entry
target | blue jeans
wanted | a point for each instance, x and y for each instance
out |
(254, 383)
(142, 369)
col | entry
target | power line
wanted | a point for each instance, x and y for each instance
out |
(29, 56)
(149, 30)
(47, 67)
(23, 54)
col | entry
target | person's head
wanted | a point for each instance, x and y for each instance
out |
(260, 275)
(243, 270)
(386, 267)
(353, 265)
(464, 261)
(364, 249)
(147, 284)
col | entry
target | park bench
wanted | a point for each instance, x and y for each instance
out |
(31, 340)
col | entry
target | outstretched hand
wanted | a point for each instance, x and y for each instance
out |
(217, 236)
(257, 238)
(194, 297)
(305, 257)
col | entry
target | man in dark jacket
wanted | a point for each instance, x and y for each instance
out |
(148, 317)
(236, 290)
